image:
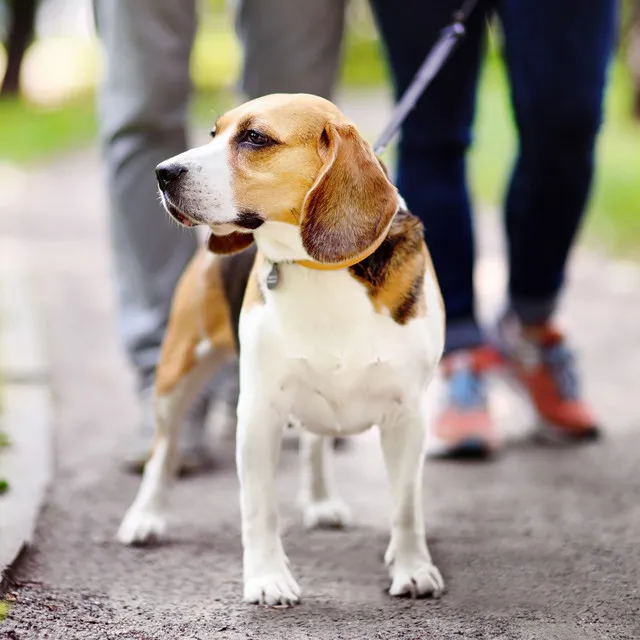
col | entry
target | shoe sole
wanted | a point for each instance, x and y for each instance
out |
(471, 448)
(550, 433)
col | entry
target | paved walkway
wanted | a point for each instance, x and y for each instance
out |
(542, 544)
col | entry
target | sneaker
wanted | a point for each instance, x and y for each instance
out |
(194, 452)
(463, 427)
(539, 358)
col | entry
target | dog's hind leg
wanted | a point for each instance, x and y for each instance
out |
(321, 507)
(193, 349)
(145, 519)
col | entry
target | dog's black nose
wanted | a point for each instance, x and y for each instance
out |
(168, 172)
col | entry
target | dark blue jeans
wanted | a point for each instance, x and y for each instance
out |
(557, 54)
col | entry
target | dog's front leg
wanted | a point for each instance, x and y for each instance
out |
(267, 579)
(410, 567)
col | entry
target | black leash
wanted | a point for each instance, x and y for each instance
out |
(434, 61)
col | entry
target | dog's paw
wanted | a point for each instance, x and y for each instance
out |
(417, 579)
(326, 514)
(141, 527)
(272, 589)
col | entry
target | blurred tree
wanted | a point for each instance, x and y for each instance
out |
(22, 18)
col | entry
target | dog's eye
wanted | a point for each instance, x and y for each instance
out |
(212, 133)
(255, 138)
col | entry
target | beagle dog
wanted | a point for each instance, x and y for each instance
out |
(340, 326)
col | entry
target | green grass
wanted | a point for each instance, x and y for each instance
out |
(5, 607)
(363, 64)
(29, 133)
(616, 201)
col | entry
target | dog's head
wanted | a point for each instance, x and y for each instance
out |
(290, 169)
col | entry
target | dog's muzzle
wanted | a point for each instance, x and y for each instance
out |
(168, 175)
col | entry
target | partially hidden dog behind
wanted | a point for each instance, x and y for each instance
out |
(330, 297)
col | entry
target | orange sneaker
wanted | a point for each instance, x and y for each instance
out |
(543, 364)
(463, 427)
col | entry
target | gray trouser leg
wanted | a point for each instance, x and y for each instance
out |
(290, 46)
(142, 111)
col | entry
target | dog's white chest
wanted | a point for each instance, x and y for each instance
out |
(341, 367)
(347, 398)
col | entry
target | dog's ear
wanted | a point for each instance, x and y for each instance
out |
(351, 203)
(231, 243)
